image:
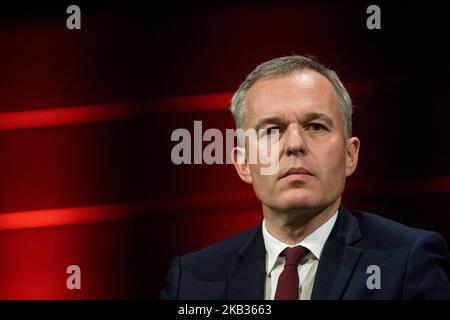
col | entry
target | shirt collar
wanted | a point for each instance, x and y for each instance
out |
(314, 242)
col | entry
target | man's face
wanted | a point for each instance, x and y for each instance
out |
(314, 159)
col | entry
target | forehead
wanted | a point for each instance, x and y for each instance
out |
(292, 95)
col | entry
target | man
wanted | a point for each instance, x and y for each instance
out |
(308, 245)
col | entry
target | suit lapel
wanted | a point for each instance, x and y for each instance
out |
(338, 258)
(246, 277)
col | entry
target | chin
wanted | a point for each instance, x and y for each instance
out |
(297, 203)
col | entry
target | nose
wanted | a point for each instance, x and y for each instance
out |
(295, 143)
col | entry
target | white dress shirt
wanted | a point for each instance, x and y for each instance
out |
(307, 267)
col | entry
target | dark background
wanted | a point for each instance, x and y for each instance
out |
(86, 118)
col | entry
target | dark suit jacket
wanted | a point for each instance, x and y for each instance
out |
(412, 262)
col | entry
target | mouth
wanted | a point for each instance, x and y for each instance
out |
(298, 173)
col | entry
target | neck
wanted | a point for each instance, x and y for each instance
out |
(294, 226)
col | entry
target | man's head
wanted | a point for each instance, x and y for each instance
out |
(311, 110)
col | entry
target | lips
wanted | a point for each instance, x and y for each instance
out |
(298, 170)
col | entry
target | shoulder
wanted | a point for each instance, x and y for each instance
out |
(389, 233)
(414, 261)
(221, 251)
(202, 273)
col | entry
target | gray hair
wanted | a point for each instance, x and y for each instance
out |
(285, 66)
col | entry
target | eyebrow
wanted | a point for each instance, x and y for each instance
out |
(267, 120)
(307, 118)
(319, 116)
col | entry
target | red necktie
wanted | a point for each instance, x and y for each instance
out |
(288, 282)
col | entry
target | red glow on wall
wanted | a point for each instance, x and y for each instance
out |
(64, 116)
(66, 216)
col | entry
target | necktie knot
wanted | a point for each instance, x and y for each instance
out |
(294, 255)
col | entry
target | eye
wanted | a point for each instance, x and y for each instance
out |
(271, 131)
(316, 127)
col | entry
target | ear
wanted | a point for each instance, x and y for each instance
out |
(240, 164)
(351, 156)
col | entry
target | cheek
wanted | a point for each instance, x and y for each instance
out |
(333, 163)
(262, 184)
(258, 179)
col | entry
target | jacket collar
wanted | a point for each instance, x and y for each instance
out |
(246, 277)
(338, 258)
